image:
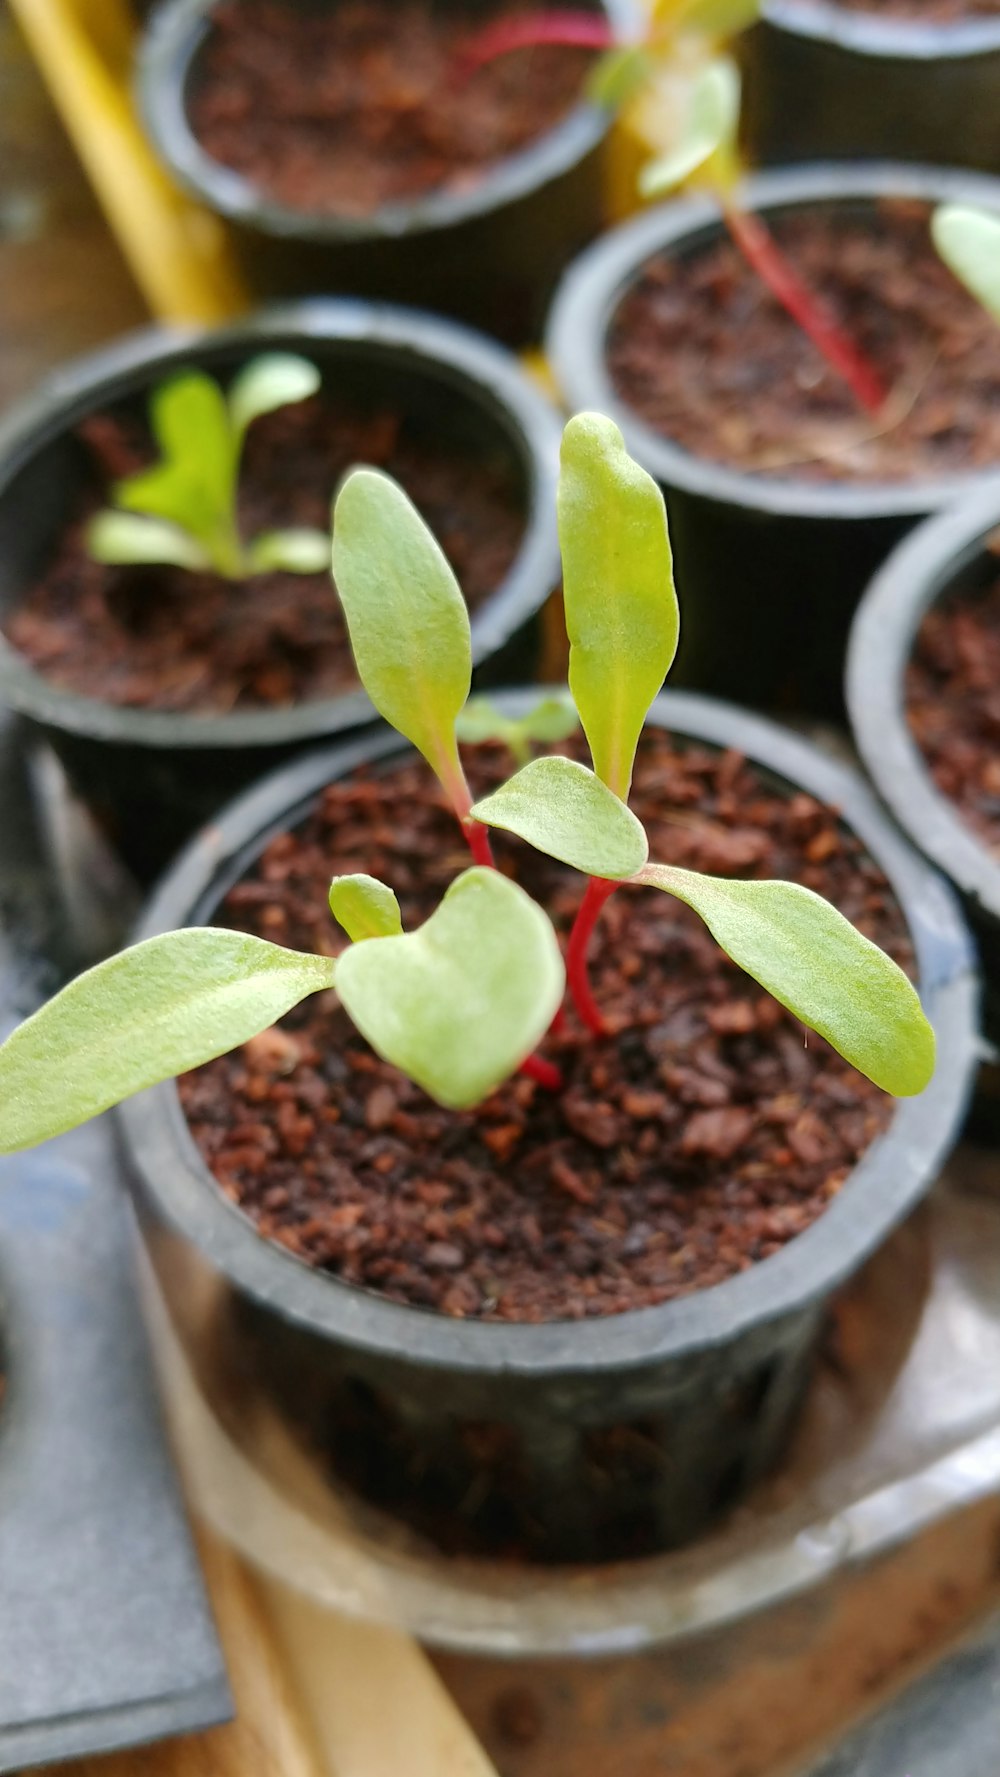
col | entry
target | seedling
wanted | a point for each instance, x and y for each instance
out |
(968, 241)
(462, 1001)
(182, 510)
(678, 65)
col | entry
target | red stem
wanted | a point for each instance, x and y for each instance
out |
(478, 836)
(599, 890)
(573, 30)
(761, 250)
(545, 1072)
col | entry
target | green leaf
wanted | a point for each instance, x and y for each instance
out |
(719, 18)
(459, 1004)
(130, 537)
(709, 128)
(365, 907)
(562, 809)
(618, 74)
(552, 718)
(299, 551)
(968, 241)
(156, 1010)
(190, 420)
(275, 379)
(621, 608)
(408, 622)
(814, 962)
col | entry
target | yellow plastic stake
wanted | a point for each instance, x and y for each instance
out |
(177, 251)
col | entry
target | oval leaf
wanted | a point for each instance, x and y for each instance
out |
(275, 379)
(562, 809)
(968, 241)
(459, 1004)
(365, 907)
(814, 962)
(621, 608)
(299, 551)
(129, 537)
(710, 126)
(156, 1010)
(408, 622)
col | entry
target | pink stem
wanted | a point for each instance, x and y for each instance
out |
(479, 842)
(761, 251)
(545, 1072)
(572, 30)
(598, 891)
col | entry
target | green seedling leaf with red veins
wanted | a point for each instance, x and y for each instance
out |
(460, 1003)
(564, 810)
(365, 907)
(618, 587)
(552, 719)
(968, 241)
(805, 953)
(156, 1010)
(182, 511)
(407, 619)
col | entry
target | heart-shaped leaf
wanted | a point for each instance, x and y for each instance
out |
(365, 907)
(813, 960)
(156, 1010)
(621, 608)
(562, 809)
(968, 241)
(460, 1003)
(275, 379)
(408, 622)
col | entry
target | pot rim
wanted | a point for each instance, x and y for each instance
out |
(455, 354)
(887, 1182)
(915, 575)
(595, 283)
(169, 45)
(868, 34)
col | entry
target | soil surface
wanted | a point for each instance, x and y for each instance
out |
(953, 704)
(698, 1139)
(168, 639)
(707, 357)
(359, 105)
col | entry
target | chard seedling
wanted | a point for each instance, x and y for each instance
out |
(182, 510)
(677, 69)
(462, 1001)
(968, 241)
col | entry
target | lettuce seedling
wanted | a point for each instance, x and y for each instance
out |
(182, 510)
(968, 241)
(462, 1001)
(678, 66)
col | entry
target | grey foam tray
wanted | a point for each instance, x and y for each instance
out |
(106, 1638)
(947, 1724)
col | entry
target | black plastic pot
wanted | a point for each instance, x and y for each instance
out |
(152, 777)
(823, 83)
(769, 568)
(528, 1435)
(490, 255)
(947, 555)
